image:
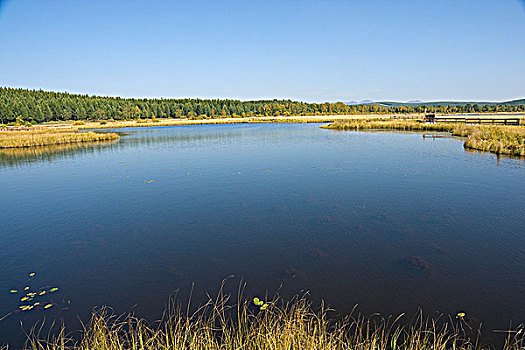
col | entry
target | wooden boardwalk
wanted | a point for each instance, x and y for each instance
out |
(429, 118)
(493, 121)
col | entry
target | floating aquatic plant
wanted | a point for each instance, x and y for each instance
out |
(29, 295)
(262, 304)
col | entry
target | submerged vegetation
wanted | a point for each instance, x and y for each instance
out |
(50, 136)
(498, 139)
(273, 325)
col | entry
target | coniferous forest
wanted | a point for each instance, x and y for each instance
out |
(37, 106)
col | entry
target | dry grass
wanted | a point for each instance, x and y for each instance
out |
(498, 139)
(50, 136)
(39, 151)
(230, 120)
(501, 140)
(176, 122)
(282, 326)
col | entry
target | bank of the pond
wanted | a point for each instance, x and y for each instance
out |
(104, 124)
(290, 326)
(155, 122)
(50, 136)
(498, 139)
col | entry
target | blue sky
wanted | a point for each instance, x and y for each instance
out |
(325, 50)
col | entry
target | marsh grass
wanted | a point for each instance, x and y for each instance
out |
(150, 123)
(39, 151)
(292, 325)
(498, 139)
(229, 120)
(50, 136)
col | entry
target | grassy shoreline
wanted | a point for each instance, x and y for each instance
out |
(103, 124)
(244, 120)
(509, 140)
(290, 326)
(50, 136)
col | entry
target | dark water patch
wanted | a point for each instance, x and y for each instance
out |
(336, 215)
(436, 248)
(416, 263)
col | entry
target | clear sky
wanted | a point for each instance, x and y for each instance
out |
(324, 50)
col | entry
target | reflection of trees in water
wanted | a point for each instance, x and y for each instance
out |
(21, 156)
(189, 140)
(156, 139)
(212, 136)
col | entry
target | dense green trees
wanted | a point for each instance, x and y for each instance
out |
(40, 106)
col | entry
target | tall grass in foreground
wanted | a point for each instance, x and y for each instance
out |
(283, 326)
(493, 138)
(43, 137)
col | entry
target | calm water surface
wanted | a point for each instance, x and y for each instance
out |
(388, 221)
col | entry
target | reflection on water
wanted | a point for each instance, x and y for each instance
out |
(23, 155)
(389, 221)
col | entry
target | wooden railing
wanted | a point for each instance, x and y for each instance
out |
(494, 121)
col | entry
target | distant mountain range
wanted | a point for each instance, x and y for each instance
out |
(414, 103)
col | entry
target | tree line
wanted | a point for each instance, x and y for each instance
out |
(37, 106)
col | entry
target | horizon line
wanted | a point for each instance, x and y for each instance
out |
(360, 101)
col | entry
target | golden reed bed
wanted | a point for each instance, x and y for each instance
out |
(50, 136)
(509, 140)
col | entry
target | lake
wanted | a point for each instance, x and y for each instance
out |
(389, 221)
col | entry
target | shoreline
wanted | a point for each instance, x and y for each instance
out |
(507, 140)
(276, 324)
(85, 124)
(49, 137)
(498, 139)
